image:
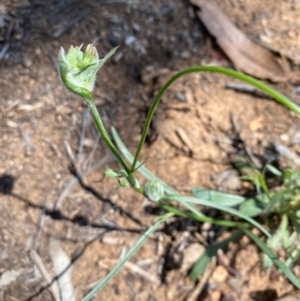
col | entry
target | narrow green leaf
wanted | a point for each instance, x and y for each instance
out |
(187, 200)
(274, 170)
(284, 233)
(217, 197)
(294, 257)
(254, 206)
(297, 227)
(201, 265)
(267, 262)
(130, 253)
(281, 265)
(274, 243)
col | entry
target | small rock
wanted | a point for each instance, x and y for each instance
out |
(136, 27)
(229, 179)
(190, 255)
(185, 54)
(27, 96)
(257, 124)
(130, 40)
(27, 62)
(189, 97)
(284, 137)
(181, 97)
(8, 277)
(63, 110)
(219, 275)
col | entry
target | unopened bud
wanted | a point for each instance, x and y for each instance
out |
(79, 68)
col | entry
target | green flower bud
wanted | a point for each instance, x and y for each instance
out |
(78, 69)
(154, 190)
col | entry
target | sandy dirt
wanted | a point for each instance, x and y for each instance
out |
(192, 143)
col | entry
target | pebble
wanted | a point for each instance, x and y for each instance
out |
(284, 137)
(8, 277)
(136, 27)
(129, 40)
(181, 97)
(185, 54)
(219, 275)
(118, 56)
(27, 62)
(190, 255)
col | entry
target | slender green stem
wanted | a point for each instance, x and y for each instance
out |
(90, 101)
(201, 217)
(285, 101)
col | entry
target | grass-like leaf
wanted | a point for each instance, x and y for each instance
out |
(217, 197)
(188, 200)
(252, 207)
(130, 253)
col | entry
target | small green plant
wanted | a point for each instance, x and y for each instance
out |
(280, 209)
(78, 72)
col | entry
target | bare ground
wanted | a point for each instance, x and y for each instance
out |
(192, 143)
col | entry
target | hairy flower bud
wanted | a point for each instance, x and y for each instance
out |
(78, 68)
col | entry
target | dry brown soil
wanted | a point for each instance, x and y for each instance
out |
(192, 143)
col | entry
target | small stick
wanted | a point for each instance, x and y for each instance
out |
(132, 267)
(69, 151)
(91, 155)
(12, 106)
(51, 285)
(28, 144)
(287, 153)
(40, 229)
(3, 51)
(141, 272)
(85, 116)
(218, 139)
(197, 291)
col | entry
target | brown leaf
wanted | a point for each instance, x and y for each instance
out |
(246, 55)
